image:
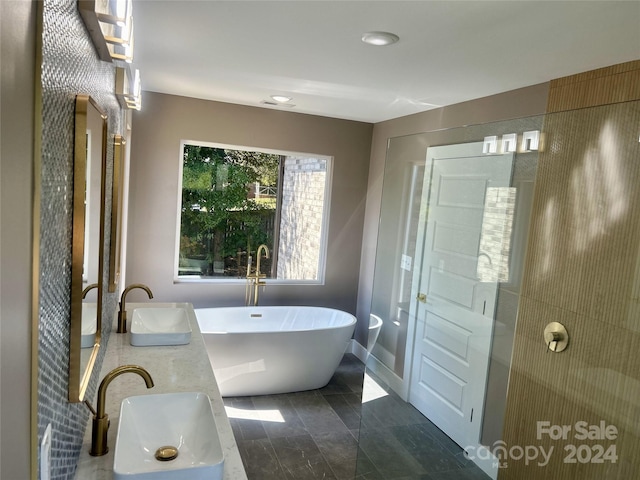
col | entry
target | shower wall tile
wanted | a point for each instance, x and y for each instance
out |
(618, 83)
(537, 399)
(585, 231)
(581, 270)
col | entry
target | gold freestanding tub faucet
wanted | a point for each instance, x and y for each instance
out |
(100, 419)
(261, 248)
(122, 313)
(254, 281)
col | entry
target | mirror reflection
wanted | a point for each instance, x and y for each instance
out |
(88, 239)
(119, 149)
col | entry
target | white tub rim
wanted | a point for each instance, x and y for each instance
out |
(352, 319)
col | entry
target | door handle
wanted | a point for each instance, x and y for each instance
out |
(422, 297)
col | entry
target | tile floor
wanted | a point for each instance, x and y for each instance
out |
(330, 434)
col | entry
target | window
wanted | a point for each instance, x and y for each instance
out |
(233, 200)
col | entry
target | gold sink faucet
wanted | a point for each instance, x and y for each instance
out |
(100, 419)
(87, 288)
(122, 313)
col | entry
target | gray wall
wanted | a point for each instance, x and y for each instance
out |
(165, 120)
(514, 104)
(17, 40)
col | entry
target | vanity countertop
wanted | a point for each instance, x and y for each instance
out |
(181, 368)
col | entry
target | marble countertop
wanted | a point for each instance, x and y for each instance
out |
(181, 368)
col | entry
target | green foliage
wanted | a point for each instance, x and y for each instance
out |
(218, 217)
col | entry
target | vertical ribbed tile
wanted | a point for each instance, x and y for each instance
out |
(583, 270)
(618, 83)
(585, 231)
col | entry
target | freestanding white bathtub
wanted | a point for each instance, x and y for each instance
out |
(268, 350)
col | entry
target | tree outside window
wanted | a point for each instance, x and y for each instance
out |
(235, 200)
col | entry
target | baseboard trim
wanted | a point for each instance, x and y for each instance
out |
(392, 380)
(358, 350)
(486, 461)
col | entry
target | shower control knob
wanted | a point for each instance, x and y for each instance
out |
(556, 337)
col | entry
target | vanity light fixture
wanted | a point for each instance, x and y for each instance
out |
(281, 98)
(531, 141)
(380, 39)
(128, 89)
(490, 144)
(509, 142)
(110, 25)
(120, 49)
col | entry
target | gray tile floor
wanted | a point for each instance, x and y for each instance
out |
(329, 434)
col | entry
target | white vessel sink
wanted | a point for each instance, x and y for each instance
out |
(89, 321)
(160, 326)
(183, 421)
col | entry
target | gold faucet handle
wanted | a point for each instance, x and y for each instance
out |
(90, 407)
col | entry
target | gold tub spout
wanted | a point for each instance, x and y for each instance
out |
(266, 255)
(100, 418)
(122, 313)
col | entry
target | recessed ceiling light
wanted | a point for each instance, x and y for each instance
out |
(281, 98)
(380, 38)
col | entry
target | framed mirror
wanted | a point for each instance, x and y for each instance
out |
(119, 151)
(89, 171)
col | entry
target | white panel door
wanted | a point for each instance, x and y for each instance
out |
(466, 222)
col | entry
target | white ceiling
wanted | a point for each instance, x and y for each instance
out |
(449, 51)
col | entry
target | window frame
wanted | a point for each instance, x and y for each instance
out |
(324, 233)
